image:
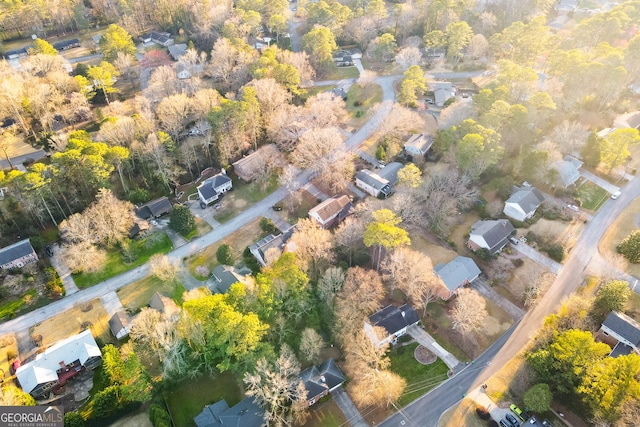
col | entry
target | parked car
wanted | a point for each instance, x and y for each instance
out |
(512, 420)
(277, 208)
(48, 250)
(505, 423)
(615, 195)
(513, 240)
(13, 367)
(573, 208)
(547, 423)
(518, 412)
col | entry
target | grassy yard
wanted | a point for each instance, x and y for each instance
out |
(188, 399)
(115, 265)
(11, 308)
(462, 414)
(238, 241)
(326, 414)
(73, 321)
(420, 378)
(202, 228)
(626, 223)
(243, 196)
(360, 100)
(8, 352)
(438, 325)
(592, 196)
(139, 293)
(437, 253)
(339, 73)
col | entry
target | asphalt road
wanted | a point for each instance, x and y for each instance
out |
(113, 284)
(426, 410)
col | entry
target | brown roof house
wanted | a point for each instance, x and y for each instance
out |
(332, 211)
(394, 321)
(17, 255)
(320, 381)
(492, 235)
(255, 164)
(622, 332)
(59, 363)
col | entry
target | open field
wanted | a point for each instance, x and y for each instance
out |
(437, 253)
(139, 293)
(420, 378)
(188, 399)
(565, 233)
(339, 73)
(626, 223)
(243, 196)
(74, 321)
(115, 265)
(592, 196)
(460, 233)
(238, 241)
(360, 100)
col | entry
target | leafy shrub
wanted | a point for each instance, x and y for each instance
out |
(517, 262)
(630, 247)
(224, 255)
(202, 271)
(54, 283)
(182, 220)
(73, 419)
(556, 252)
(268, 226)
(158, 416)
(483, 412)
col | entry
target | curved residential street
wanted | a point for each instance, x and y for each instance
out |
(426, 411)
(257, 210)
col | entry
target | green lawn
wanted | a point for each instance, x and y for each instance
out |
(243, 196)
(326, 414)
(139, 293)
(592, 196)
(188, 399)
(339, 73)
(438, 325)
(360, 100)
(115, 265)
(420, 378)
(10, 309)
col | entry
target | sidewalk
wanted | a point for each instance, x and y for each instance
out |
(426, 340)
(63, 271)
(348, 408)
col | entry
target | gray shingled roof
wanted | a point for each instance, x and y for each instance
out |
(318, 379)
(393, 318)
(494, 232)
(457, 272)
(390, 172)
(225, 276)
(246, 413)
(625, 326)
(15, 251)
(154, 208)
(527, 198)
(372, 179)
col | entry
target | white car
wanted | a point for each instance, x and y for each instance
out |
(573, 208)
(615, 195)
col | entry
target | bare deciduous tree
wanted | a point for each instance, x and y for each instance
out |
(478, 46)
(409, 56)
(163, 268)
(456, 113)
(310, 344)
(155, 332)
(360, 296)
(337, 170)
(174, 113)
(324, 110)
(330, 284)
(314, 145)
(349, 235)
(121, 131)
(299, 61)
(401, 121)
(469, 311)
(312, 245)
(84, 257)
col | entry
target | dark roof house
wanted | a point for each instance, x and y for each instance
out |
(418, 144)
(66, 44)
(212, 188)
(332, 211)
(625, 330)
(320, 381)
(491, 235)
(260, 248)
(246, 413)
(456, 274)
(119, 324)
(224, 276)
(394, 320)
(381, 182)
(165, 305)
(17, 255)
(154, 209)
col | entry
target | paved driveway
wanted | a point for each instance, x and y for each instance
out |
(599, 181)
(481, 286)
(529, 252)
(63, 271)
(347, 407)
(427, 341)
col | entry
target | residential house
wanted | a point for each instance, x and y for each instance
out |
(96, 39)
(246, 413)
(17, 53)
(435, 53)
(343, 58)
(379, 183)
(262, 246)
(455, 274)
(394, 320)
(622, 332)
(165, 305)
(17, 255)
(223, 276)
(212, 188)
(51, 369)
(253, 165)
(119, 324)
(568, 170)
(523, 203)
(418, 144)
(320, 381)
(177, 50)
(442, 91)
(491, 235)
(182, 72)
(332, 211)
(163, 39)
(66, 44)
(628, 120)
(154, 209)
(138, 228)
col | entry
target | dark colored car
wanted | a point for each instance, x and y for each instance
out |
(512, 420)
(48, 250)
(277, 208)
(505, 423)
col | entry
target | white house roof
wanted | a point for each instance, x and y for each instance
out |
(43, 369)
(457, 272)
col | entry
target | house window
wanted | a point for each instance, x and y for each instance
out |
(605, 332)
(312, 401)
